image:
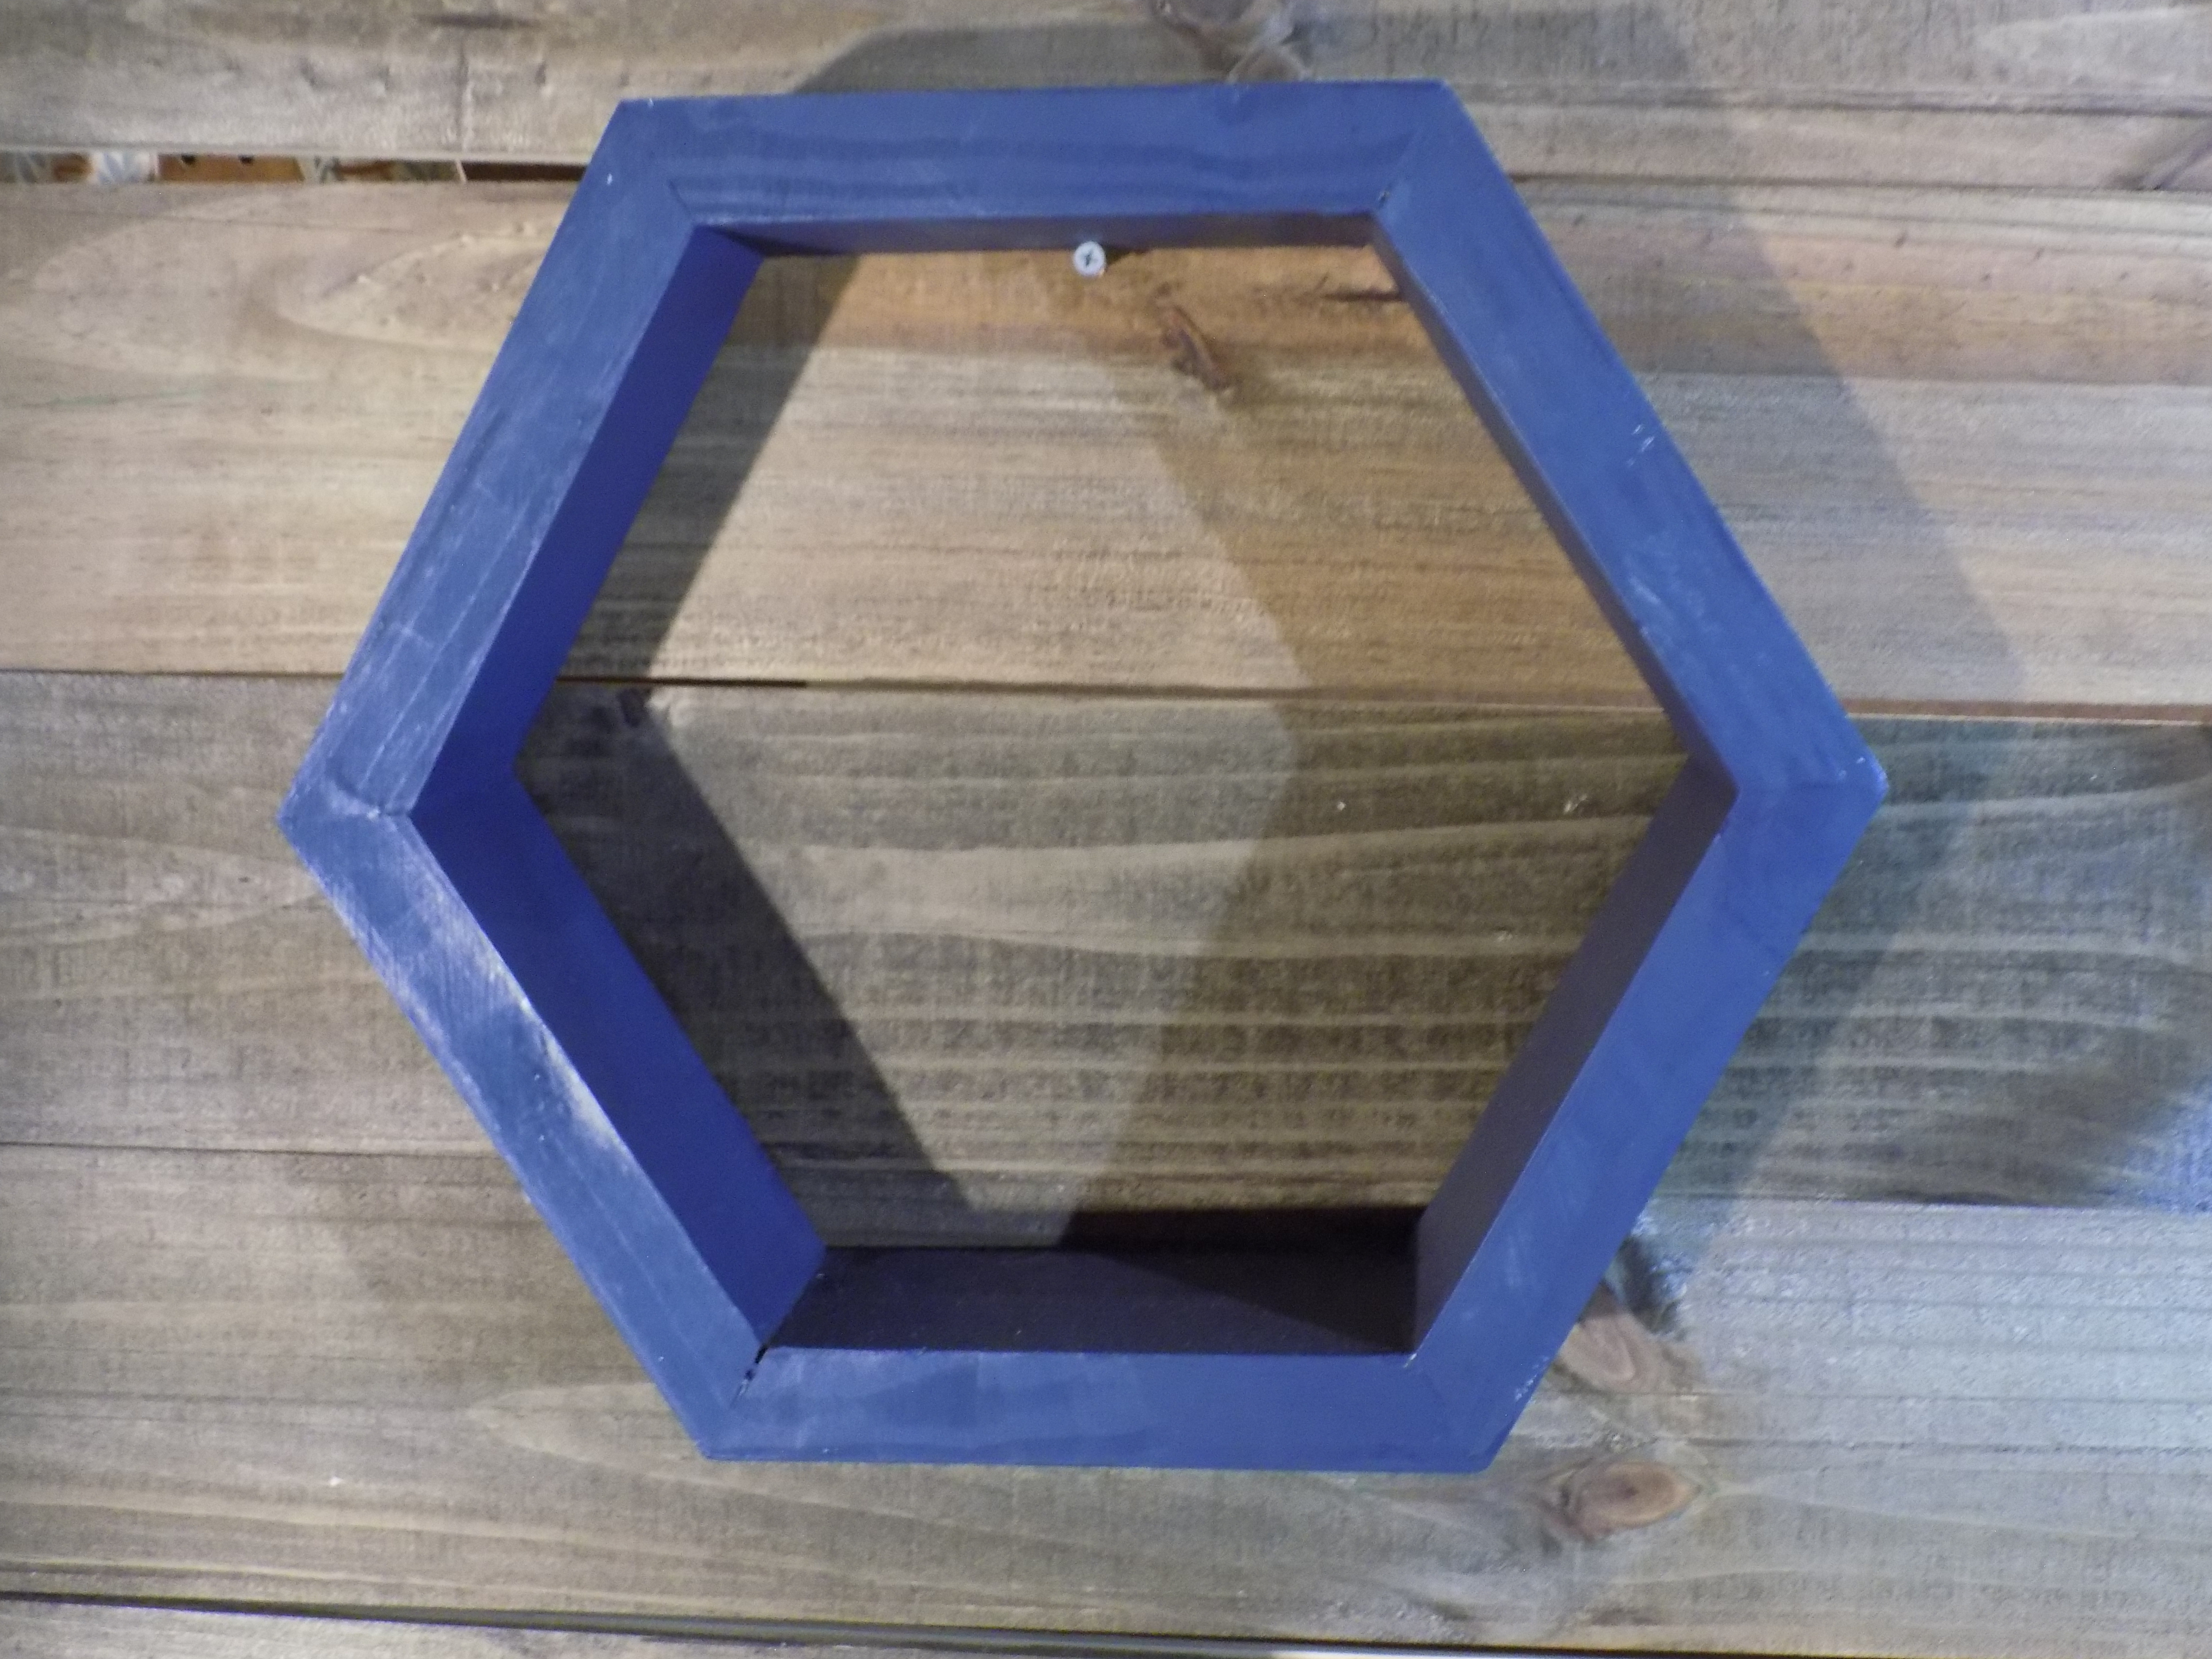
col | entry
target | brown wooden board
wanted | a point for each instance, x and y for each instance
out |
(275, 1328)
(2018, 92)
(1962, 436)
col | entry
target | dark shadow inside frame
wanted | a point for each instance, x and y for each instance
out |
(691, 910)
(1275, 1298)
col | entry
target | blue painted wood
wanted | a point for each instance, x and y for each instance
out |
(766, 1344)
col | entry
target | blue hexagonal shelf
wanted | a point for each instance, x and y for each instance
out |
(409, 811)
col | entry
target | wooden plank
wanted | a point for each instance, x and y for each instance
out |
(973, 963)
(2029, 92)
(91, 1630)
(1961, 436)
(50, 1629)
(274, 1328)
(372, 1381)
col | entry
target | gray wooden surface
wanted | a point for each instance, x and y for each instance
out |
(1963, 435)
(37, 1630)
(48, 1629)
(277, 1328)
(2063, 93)
(352, 1378)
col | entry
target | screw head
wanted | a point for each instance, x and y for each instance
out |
(1090, 259)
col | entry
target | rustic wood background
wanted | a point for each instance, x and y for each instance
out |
(1068, 747)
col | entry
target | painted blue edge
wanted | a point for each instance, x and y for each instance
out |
(407, 809)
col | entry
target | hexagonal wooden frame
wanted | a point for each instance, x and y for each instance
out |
(409, 811)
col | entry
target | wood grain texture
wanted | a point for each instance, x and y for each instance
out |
(48, 1629)
(1961, 436)
(2029, 92)
(275, 1327)
(357, 1379)
(973, 963)
(35, 1629)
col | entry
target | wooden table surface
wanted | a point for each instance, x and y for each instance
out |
(1069, 746)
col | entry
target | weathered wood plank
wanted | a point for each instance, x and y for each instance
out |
(372, 1381)
(31, 1629)
(52, 1630)
(974, 962)
(2029, 92)
(1961, 436)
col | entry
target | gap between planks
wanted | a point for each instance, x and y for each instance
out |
(1974, 92)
